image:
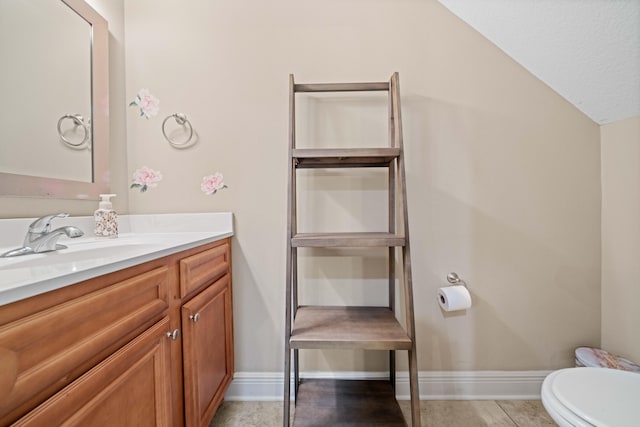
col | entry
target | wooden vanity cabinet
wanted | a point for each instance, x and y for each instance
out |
(146, 345)
(207, 332)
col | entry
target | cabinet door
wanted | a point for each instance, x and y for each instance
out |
(131, 388)
(207, 350)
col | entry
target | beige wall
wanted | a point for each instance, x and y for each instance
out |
(20, 207)
(621, 237)
(503, 174)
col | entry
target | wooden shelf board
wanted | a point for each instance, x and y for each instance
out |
(344, 158)
(347, 403)
(341, 87)
(347, 240)
(368, 328)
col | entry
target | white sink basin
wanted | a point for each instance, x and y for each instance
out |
(86, 257)
(62, 260)
(79, 252)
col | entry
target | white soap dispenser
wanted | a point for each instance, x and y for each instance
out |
(106, 218)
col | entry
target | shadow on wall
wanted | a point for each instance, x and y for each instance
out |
(258, 315)
(497, 204)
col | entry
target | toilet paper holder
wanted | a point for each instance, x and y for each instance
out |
(454, 279)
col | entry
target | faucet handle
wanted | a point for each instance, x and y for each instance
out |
(43, 224)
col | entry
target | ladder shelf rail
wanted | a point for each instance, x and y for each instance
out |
(312, 327)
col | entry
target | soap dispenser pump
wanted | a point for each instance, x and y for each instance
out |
(106, 218)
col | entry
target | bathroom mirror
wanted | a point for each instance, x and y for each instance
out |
(54, 102)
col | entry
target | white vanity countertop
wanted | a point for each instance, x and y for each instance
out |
(141, 238)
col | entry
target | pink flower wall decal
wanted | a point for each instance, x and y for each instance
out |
(147, 103)
(212, 183)
(145, 178)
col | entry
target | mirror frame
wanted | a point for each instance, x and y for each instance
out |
(33, 186)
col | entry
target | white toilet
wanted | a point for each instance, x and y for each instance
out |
(586, 397)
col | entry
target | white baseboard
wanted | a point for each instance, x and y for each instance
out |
(440, 385)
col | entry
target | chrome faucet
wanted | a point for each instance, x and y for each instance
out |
(40, 237)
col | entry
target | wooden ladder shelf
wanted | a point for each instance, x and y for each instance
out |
(347, 402)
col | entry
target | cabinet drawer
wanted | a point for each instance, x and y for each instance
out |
(50, 349)
(203, 268)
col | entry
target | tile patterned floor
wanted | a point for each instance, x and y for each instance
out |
(434, 413)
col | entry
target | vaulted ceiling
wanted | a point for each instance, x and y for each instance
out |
(586, 50)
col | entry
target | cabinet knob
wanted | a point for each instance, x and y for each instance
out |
(174, 335)
(195, 317)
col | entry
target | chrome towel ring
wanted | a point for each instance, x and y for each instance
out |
(78, 120)
(182, 120)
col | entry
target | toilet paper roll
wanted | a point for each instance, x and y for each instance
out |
(452, 298)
